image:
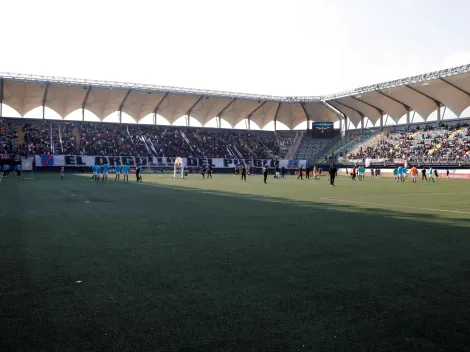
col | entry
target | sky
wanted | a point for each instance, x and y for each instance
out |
(295, 47)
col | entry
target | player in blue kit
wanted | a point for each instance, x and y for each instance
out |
(94, 169)
(126, 172)
(6, 170)
(105, 172)
(117, 169)
(400, 173)
(405, 174)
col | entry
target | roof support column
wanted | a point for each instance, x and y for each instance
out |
(219, 115)
(155, 111)
(85, 101)
(44, 100)
(122, 105)
(248, 117)
(188, 114)
(362, 124)
(438, 121)
(342, 118)
(275, 116)
(382, 120)
(408, 122)
(1, 96)
(306, 114)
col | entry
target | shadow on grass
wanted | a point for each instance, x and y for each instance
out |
(170, 269)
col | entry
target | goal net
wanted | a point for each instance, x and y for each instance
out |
(27, 170)
(178, 167)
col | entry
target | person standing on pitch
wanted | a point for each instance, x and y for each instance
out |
(203, 172)
(105, 172)
(265, 173)
(300, 173)
(117, 169)
(283, 171)
(126, 171)
(431, 175)
(414, 174)
(137, 172)
(209, 171)
(244, 173)
(332, 172)
(307, 172)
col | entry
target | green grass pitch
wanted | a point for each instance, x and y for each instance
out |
(222, 265)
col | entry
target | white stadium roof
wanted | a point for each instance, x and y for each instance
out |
(422, 94)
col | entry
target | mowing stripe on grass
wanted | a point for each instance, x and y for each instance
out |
(394, 205)
(412, 194)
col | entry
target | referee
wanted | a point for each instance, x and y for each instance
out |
(300, 173)
(332, 172)
(244, 173)
(265, 173)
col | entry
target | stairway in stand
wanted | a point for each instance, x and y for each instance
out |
(20, 133)
(451, 136)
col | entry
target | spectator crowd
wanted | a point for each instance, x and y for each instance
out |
(85, 138)
(445, 143)
(132, 140)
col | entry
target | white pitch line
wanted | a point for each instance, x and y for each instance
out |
(413, 194)
(394, 205)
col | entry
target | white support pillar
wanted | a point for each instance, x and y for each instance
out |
(438, 121)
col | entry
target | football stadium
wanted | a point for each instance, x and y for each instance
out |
(147, 217)
(187, 255)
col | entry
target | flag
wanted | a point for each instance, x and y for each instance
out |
(47, 160)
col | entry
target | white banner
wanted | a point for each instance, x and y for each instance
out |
(154, 162)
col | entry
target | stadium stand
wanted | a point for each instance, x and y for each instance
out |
(422, 143)
(121, 139)
(314, 148)
(8, 138)
(446, 143)
(351, 140)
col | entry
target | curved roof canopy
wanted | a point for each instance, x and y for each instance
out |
(422, 93)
